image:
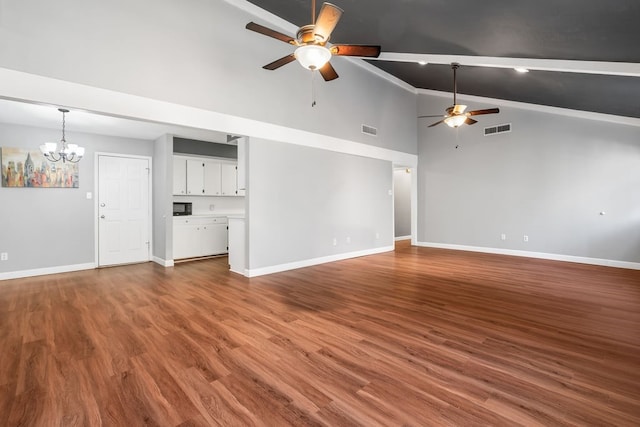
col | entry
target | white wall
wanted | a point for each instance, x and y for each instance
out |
(301, 198)
(550, 179)
(51, 227)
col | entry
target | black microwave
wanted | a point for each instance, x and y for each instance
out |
(182, 208)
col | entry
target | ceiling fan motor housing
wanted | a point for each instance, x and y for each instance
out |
(306, 35)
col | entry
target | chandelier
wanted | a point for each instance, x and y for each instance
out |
(54, 151)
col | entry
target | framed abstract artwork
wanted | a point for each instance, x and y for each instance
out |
(22, 167)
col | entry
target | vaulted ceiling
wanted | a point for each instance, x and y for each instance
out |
(582, 54)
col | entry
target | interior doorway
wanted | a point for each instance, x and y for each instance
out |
(402, 203)
(124, 209)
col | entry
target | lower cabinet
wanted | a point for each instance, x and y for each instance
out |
(196, 237)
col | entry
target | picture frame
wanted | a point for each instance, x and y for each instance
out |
(28, 168)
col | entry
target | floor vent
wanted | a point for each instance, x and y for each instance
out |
(369, 130)
(493, 130)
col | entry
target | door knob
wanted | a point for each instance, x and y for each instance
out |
(102, 216)
(102, 205)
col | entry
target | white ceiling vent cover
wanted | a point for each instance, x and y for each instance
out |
(494, 130)
(369, 130)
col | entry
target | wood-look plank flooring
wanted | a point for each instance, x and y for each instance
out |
(419, 336)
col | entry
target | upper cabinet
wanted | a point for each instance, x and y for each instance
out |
(211, 179)
(229, 179)
(179, 176)
(198, 176)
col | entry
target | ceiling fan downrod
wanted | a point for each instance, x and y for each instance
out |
(454, 67)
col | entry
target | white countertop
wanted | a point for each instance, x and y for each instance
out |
(230, 214)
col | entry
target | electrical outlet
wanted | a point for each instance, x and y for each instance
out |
(348, 240)
(335, 241)
(525, 238)
(503, 236)
(4, 256)
(377, 235)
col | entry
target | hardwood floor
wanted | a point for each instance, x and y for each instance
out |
(414, 337)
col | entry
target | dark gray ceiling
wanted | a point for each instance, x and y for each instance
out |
(581, 30)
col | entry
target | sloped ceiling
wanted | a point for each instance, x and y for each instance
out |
(600, 39)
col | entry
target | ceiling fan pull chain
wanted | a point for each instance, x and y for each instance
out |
(313, 88)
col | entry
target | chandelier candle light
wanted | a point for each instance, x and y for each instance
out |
(54, 152)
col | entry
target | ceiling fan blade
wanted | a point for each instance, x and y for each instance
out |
(369, 51)
(436, 123)
(470, 121)
(280, 62)
(328, 72)
(269, 32)
(428, 117)
(327, 20)
(487, 111)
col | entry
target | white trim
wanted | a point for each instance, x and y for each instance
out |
(163, 262)
(314, 261)
(540, 255)
(402, 238)
(630, 121)
(559, 65)
(44, 271)
(96, 208)
(27, 87)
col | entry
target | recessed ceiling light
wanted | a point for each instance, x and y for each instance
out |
(521, 69)
(422, 62)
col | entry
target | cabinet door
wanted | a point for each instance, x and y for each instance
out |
(241, 166)
(195, 177)
(185, 240)
(179, 176)
(211, 178)
(214, 239)
(229, 179)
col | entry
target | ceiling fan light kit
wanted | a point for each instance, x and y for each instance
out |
(312, 56)
(455, 121)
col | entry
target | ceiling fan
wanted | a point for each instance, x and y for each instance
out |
(455, 114)
(311, 43)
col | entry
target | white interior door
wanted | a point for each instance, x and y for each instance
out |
(124, 210)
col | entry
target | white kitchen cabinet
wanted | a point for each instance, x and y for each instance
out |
(241, 169)
(237, 244)
(185, 234)
(195, 177)
(199, 236)
(228, 179)
(179, 176)
(199, 176)
(211, 178)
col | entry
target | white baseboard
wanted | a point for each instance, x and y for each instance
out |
(314, 261)
(163, 262)
(402, 238)
(48, 270)
(540, 255)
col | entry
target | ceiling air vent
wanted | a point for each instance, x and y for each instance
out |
(493, 130)
(369, 130)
